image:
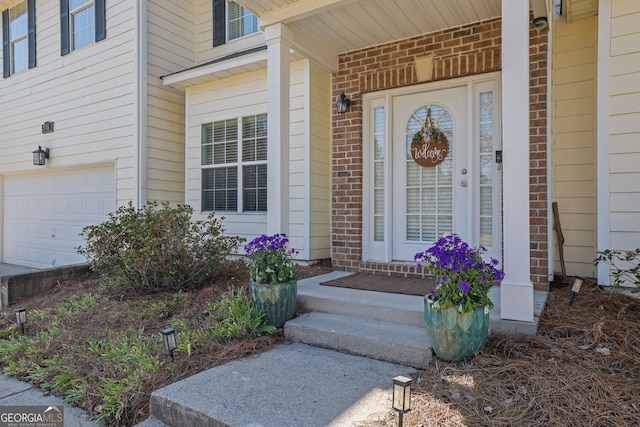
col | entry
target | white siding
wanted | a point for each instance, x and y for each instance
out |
(90, 95)
(624, 125)
(171, 42)
(246, 94)
(574, 141)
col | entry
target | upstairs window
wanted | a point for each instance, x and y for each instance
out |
(19, 37)
(234, 165)
(241, 22)
(82, 22)
(231, 21)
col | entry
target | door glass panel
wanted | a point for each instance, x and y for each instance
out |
(378, 173)
(429, 204)
(487, 165)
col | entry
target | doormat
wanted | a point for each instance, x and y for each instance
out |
(379, 283)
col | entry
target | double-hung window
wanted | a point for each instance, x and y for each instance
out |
(82, 22)
(231, 21)
(19, 37)
(234, 165)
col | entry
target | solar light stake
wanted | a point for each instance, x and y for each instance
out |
(169, 338)
(21, 317)
(401, 396)
(575, 288)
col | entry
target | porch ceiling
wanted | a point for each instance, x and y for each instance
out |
(347, 25)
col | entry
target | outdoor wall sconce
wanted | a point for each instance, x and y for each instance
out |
(343, 104)
(540, 22)
(40, 155)
(401, 396)
(21, 317)
(169, 338)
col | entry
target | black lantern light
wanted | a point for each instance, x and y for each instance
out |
(401, 396)
(169, 338)
(21, 317)
(40, 155)
(343, 104)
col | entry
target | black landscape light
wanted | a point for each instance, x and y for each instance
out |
(21, 317)
(401, 396)
(169, 338)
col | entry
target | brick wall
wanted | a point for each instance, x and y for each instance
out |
(460, 51)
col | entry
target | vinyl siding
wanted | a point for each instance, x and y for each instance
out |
(90, 95)
(574, 142)
(246, 94)
(624, 125)
(171, 41)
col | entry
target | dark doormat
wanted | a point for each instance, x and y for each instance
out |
(379, 283)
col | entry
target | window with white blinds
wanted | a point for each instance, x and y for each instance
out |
(487, 165)
(234, 165)
(18, 37)
(378, 174)
(241, 22)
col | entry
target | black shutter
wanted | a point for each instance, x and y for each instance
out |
(101, 20)
(64, 27)
(6, 51)
(219, 22)
(31, 14)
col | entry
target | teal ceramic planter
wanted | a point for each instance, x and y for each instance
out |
(276, 302)
(455, 336)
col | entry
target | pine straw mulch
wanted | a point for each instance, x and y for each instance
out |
(581, 369)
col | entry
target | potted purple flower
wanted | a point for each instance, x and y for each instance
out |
(273, 286)
(457, 310)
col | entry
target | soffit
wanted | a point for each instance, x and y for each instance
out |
(347, 25)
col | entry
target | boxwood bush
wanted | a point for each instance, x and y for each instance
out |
(157, 248)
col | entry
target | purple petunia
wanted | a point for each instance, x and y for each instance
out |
(465, 286)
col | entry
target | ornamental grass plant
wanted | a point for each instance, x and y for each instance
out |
(461, 274)
(270, 261)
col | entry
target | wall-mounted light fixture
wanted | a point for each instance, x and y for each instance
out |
(40, 156)
(343, 104)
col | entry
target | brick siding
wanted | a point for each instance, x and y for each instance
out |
(458, 52)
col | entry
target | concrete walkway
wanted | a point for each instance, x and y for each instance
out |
(18, 393)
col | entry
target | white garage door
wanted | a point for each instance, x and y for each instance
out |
(45, 213)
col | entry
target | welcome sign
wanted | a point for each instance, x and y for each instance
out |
(429, 146)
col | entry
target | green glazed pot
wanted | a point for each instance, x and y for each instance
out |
(456, 336)
(276, 302)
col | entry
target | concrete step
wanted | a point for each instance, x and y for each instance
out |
(387, 341)
(382, 306)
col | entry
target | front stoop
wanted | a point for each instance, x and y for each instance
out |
(379, 325)
(390, 342)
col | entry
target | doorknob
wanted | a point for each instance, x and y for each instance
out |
(463, 183)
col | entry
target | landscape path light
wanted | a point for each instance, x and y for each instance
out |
(21, 317)
(401, 396)
(169, 338)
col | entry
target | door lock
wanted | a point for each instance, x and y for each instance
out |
(463, 171)
(463, 183)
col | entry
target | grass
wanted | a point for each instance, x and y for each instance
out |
(104, 353)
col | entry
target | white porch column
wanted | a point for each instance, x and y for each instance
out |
(278, 38)
(516, 293)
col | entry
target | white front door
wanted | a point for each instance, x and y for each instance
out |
(429, 202)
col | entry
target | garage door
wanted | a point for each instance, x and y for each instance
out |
(45, 213)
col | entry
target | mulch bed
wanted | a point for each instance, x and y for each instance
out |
(581, 369)
(380, 283)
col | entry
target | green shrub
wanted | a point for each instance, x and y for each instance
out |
(625, 266)
(157, 248)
